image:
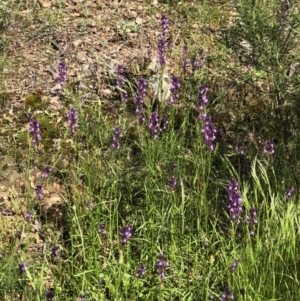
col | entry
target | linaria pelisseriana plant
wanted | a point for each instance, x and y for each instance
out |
(163, 43)
(34, 130)
(39, 191)
(289, 193)
(235, 200)
(252, 220)
(116, 138)
(72, 119)
(139, 99)
(125, 234)
(93, 258)
(120, 82)
(141, 270)
(62, 73)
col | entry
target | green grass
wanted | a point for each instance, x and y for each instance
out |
(128, 186)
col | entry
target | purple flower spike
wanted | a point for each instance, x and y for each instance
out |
(163, 43)
(172, 183)
(197, 61)
(101, 230)
(28, 215)
(22, 267)
(161, 265)
(234, 265)
(139, 99)
(240, 150)
(202, 98)
(34, 130)
(164, 22)
(227, 295)
(235, 200)
(164, 124)
(175, 87)
(116, 138)
(49, 295)
(54, 250)
(46, 171)
(252, 220)
(140, 271)
(121, 81)
(208, 131)
(125, 234)
(72, 117)
(154, 124)
(185, 51)
(62, 73)
(39, 191)
(269, 148)
(289, 193)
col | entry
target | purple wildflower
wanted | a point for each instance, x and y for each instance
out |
(22, 267)
(164, 124)
(269, 148)
(171, 183)
(162, 43)
(184, 54)
(125, 234)
(88, 204)
(161, 265)
(139, 99)
(121, 81)
(72, 117)
(171, 166)
(202, 98)
(39, 189)
(209, 131)
(156, 126)
(252, 220)
(101, 229)
(289, 193)
(164, 22)
(49, 295)
(198, 61)
(28, 215)
(62, 73)
(116, 138)
(140, 271)
(34, 130)
(55, 250)
(46, 171)
(82, 140)
(235, 200)
(227, 295)
(175, 86)
(240, 149)
(233, 266)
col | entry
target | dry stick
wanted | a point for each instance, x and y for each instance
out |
(15, 90)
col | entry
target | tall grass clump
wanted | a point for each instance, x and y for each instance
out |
(155, 206)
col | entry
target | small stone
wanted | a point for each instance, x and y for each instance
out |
(139, 20)
(77, 43)
(81, 56)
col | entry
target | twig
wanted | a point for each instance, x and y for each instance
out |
(15, 90)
